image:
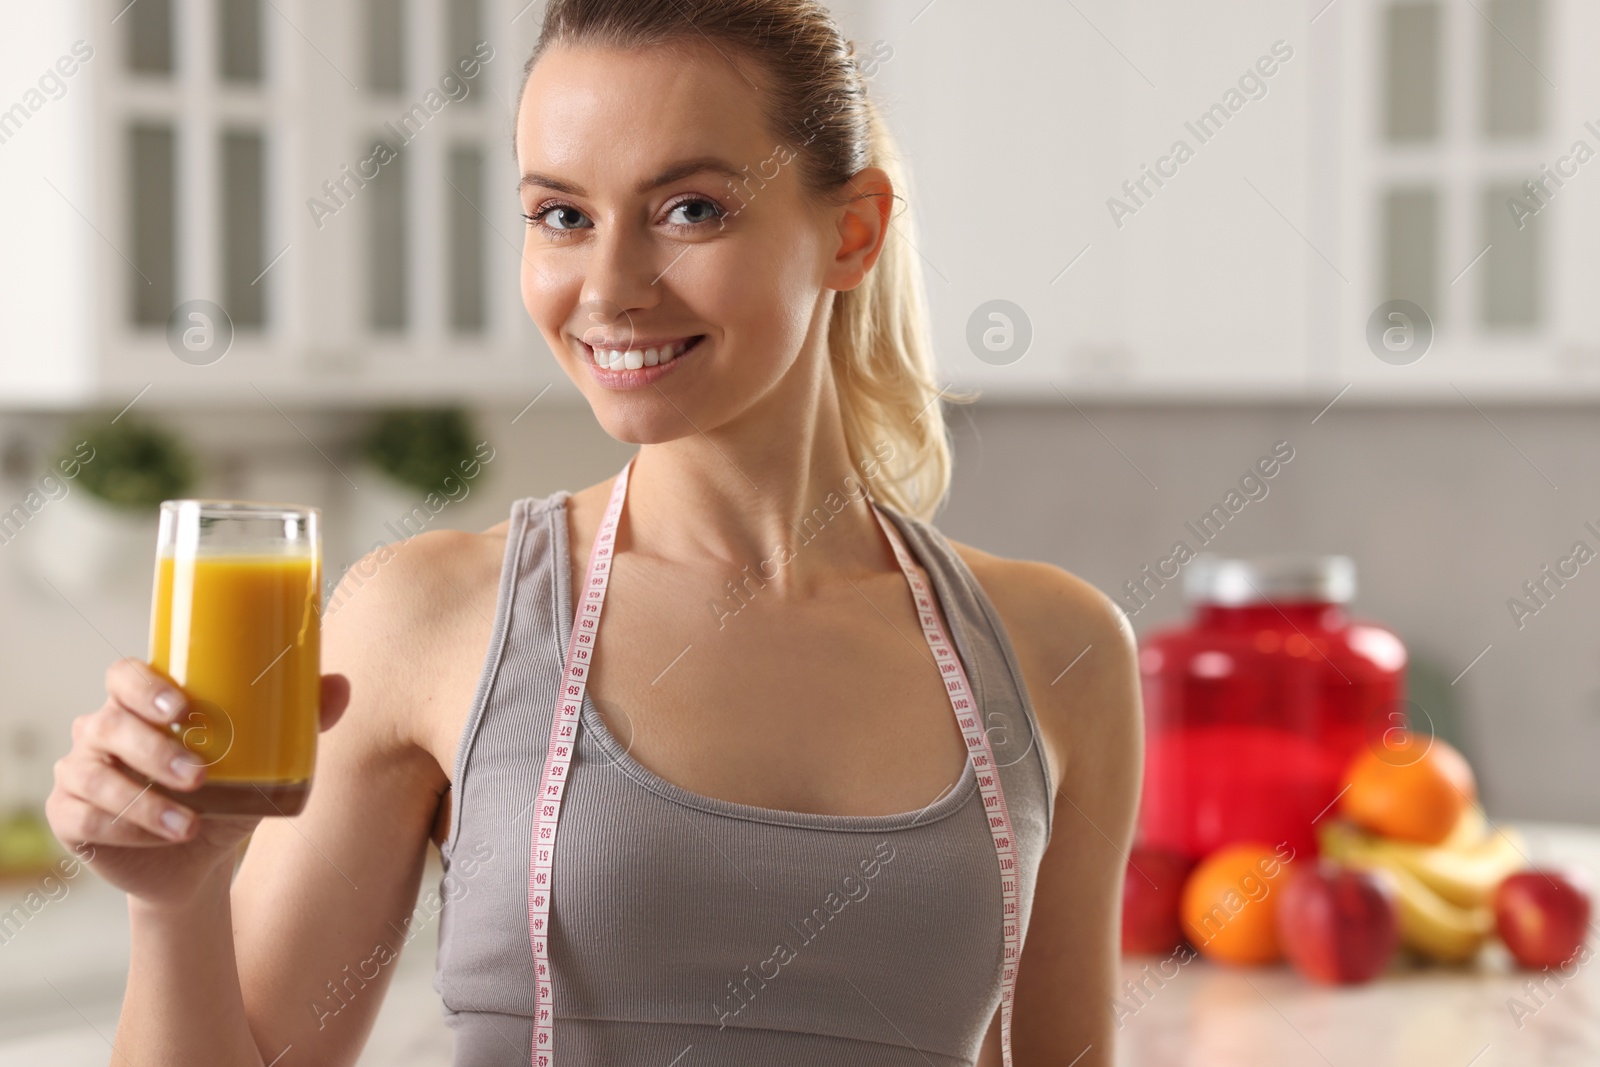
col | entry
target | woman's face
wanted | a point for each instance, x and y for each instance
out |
(666, 221)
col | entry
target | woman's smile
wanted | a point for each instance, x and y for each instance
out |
(632, 363)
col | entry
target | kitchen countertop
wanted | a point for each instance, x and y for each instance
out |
(62, 971)
(1215, 1016)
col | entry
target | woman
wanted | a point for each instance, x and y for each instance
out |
(775, 846)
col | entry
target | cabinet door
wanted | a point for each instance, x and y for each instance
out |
(1471, 179)
(297, 263)
(51, 55)
(1127, 176)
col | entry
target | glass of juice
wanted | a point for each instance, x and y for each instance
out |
(235, 622)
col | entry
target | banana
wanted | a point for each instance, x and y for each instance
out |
(1469, 830)
(1466, 878)
(1430, 924)
(1465, 869)
(1433, 926)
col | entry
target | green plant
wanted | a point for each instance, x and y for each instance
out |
(419, 447)
(135, 465)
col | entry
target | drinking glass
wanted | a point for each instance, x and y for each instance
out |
(235, 622)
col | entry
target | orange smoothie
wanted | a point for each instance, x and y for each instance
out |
(241, 634)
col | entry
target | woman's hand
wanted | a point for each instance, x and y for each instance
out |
(146, 844)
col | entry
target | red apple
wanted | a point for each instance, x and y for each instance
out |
(1151, 890)
(1337, 924)
(1542, 916)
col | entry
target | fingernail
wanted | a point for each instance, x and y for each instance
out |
(169, 702)
(184, 768)
(176, 822)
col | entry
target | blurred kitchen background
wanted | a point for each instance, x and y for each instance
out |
(195, 277)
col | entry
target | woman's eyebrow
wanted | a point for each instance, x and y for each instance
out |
(679, 171)
(676, 172)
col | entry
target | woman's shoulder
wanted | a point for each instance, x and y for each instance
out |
(420, 581)
(409, 623)
(1075, 649)
(405, 580)
(1037, 594)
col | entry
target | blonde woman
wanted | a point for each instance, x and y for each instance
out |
(819, 777)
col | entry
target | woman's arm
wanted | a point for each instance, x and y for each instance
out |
(325, 901)
(1091, 720)
(299, 953)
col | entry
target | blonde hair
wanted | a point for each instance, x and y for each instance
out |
(879, 339)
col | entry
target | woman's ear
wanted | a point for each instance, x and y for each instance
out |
(863, 223)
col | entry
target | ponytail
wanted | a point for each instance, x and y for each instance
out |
(883, 364)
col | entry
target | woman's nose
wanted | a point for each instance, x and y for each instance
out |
(623, 277)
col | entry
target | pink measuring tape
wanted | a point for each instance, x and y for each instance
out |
(564, 736)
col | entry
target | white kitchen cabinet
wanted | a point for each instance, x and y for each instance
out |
(1516, 91)
(1249, 272)
(1252, 270)
(1023, 124)
(184, 160)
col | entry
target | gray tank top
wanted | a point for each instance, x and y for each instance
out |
(690, 932)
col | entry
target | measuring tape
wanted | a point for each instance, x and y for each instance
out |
(564, 736)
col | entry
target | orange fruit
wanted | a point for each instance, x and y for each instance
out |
(1230, 903)
(1412, 787)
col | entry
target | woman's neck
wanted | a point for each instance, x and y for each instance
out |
(774, 487)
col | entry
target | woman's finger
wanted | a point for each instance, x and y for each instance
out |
(113, 792)
(142, 690)
(125, 800)
(151, 750)
(76, 822)
(335, 698)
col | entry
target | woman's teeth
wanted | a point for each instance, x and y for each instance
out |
(634, 358)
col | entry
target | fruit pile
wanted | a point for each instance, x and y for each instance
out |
(1409, 860)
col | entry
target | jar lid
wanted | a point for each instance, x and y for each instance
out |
(1212, 579)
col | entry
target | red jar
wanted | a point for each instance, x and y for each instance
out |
(1255, 708)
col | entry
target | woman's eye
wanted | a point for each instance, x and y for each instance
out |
(560, 217)
(694, 212)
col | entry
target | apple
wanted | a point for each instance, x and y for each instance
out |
(1151, 889)
(1542, 916)
(1338, 925)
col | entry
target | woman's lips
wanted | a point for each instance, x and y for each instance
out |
(638, 354)
(639, 364)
